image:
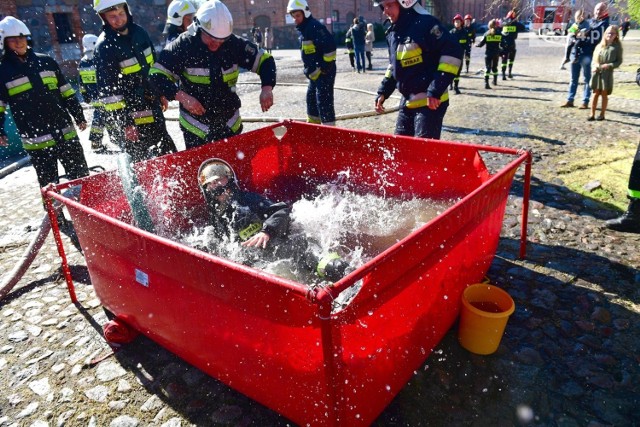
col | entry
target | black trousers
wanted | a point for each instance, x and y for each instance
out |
(421, 122)
(634, 177)
(69, 153)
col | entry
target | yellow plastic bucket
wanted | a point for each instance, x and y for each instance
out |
(483, 317)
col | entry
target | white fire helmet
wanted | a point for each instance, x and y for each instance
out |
(406, 4)
(12, 27)
(302, 5)
(177, 10)
(89, 42)
(215, 19)
(101, 6)
(213, 169)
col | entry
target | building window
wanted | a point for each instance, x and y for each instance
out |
(63, 28)
(335, 16)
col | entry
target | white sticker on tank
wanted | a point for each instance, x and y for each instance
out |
(142, 278)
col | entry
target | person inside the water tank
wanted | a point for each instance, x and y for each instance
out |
(257, 222)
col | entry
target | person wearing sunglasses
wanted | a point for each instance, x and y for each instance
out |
(257, 222)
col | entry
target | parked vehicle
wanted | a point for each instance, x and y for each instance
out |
(551, 19)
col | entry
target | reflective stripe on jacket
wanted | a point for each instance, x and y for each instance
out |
(493, 42)
(88, 78)
(41, 100)
(317, 47)
(210, 77)
(122, 64)
(423, 57)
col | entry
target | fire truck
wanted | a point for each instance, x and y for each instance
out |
(551, 19)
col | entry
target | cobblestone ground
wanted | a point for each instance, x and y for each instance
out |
(569, 356)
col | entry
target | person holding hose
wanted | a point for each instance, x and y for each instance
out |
(424, 58)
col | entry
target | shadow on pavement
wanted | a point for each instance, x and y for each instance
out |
(561, 197)
(506, 134)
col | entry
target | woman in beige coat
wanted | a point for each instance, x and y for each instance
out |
(369, 38)
(607, 57)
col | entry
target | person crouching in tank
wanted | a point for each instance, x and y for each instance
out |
(257, 222)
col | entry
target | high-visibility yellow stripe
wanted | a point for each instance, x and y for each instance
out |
(231, 78)
(315, 74)
(70, 135)
(112, 106)
(203, 80)
(3, 109)
(159, 69)
(634, 193)
(38, 143)
(322, 264)
(448, 68)
(143, 117)
(52, 82)
(67, 91)
(19, 89)
(235, 122)
(250, 230)
(191, 128)
(308, 47)
(408, 54)
(313, 119)
(329, 56)
(423, 102)
(40, 146)
(131, 69)
(88, 77)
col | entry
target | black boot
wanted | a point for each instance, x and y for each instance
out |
(495, 80)
(486, 84)
(504, 75)
(510, 75)
(629, 222)
(455, 86)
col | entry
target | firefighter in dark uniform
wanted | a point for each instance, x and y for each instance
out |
(124, 53)
(471, 39)
(200, 69)
(179, 17)
(89, 91)
(510, 30)
(318, 50)
(348, 41)
(257, 222)
(423, 60)
(629, 221)
(492, 39)
(42, 104)
(461, 35)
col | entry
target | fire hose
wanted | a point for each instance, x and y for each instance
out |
(339, 117)
(23, 264)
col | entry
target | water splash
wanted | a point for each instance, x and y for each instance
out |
(357, 226)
